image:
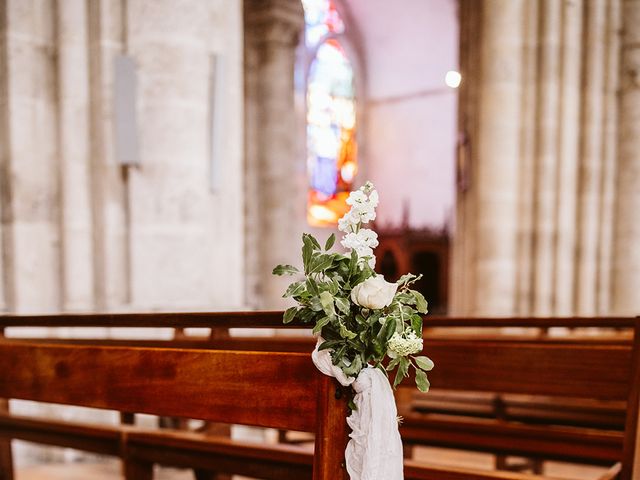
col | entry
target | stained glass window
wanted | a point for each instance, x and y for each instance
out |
(331, 115)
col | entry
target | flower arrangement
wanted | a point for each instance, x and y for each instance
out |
(362, 319)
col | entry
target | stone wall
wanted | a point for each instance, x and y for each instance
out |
(78, 230)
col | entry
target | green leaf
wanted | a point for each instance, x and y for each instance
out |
(319, 324)
(326, 300)
(343, 305)
(329, 344)
(405, 298)
(393, 363)
(387, 330)
(330, 241)
(425, 363)
(306, 315)
(408, 279)
(312, 286)
(353, 265)
(285, 270)
(422, 382)
(311, 240)
(346, 333)
(290, 314)
(421, 303)
(403, 370)
(307, 253)
(354, 368)
(295, 289)
(416, 325)
(320, 263)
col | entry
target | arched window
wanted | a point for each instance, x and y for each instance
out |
(332, 160)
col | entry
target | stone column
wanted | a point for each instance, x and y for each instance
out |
(590, 169)
(6, 255)
(545, 174)
(111, 269)
(29, 157)
(272, 32)
(76, 265)
(568, 157)
(527, 159)
(498, 157)
(626, 264)
(462, 282)
(609, 154)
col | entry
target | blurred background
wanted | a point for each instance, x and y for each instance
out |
(165, 155)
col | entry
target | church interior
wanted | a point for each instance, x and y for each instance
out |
(187, 145)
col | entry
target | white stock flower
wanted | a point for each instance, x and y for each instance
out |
(401, 345)
(364, 238)
(373, 198)
(363, 206)
(357, 196)
(374, 293)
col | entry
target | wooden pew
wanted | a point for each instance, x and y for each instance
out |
(189, 449)
(269, 389)
(587, 370)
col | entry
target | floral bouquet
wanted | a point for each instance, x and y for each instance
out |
(362, 319)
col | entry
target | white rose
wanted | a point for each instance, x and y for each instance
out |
(374, 293)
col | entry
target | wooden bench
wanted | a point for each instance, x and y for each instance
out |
(196, 452)
(268, 389)
(595, 373)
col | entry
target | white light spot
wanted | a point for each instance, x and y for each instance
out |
(453, 79)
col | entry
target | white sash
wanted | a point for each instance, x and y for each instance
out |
(375, 449)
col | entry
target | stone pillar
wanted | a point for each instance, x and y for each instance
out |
(111, 269)
(29, 157)
(6, 254)
(462, 282)
(272, 32)
(545, 174)
(76, 265)
(590, 169)
(527, 159)
(568, 157)
(498, 157)
(609, 157)
(626, 264)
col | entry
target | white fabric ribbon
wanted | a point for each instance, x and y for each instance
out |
(375, 449)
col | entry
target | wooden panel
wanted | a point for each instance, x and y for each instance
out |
(276, 390)
(420, 471)
(273, 319)
(269, 319)
(269, 462)
(631, 462)
(6, 459)
(564, 370)
(511, 438)
(332, 436)
(255, 344)
(101, 439)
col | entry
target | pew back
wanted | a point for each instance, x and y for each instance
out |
(601, 371)
(270, 389)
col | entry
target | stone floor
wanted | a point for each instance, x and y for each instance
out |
(110, 469)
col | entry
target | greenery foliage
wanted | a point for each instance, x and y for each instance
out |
(355, 335)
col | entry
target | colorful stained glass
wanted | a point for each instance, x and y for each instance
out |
(321, 18)
(331, 116)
